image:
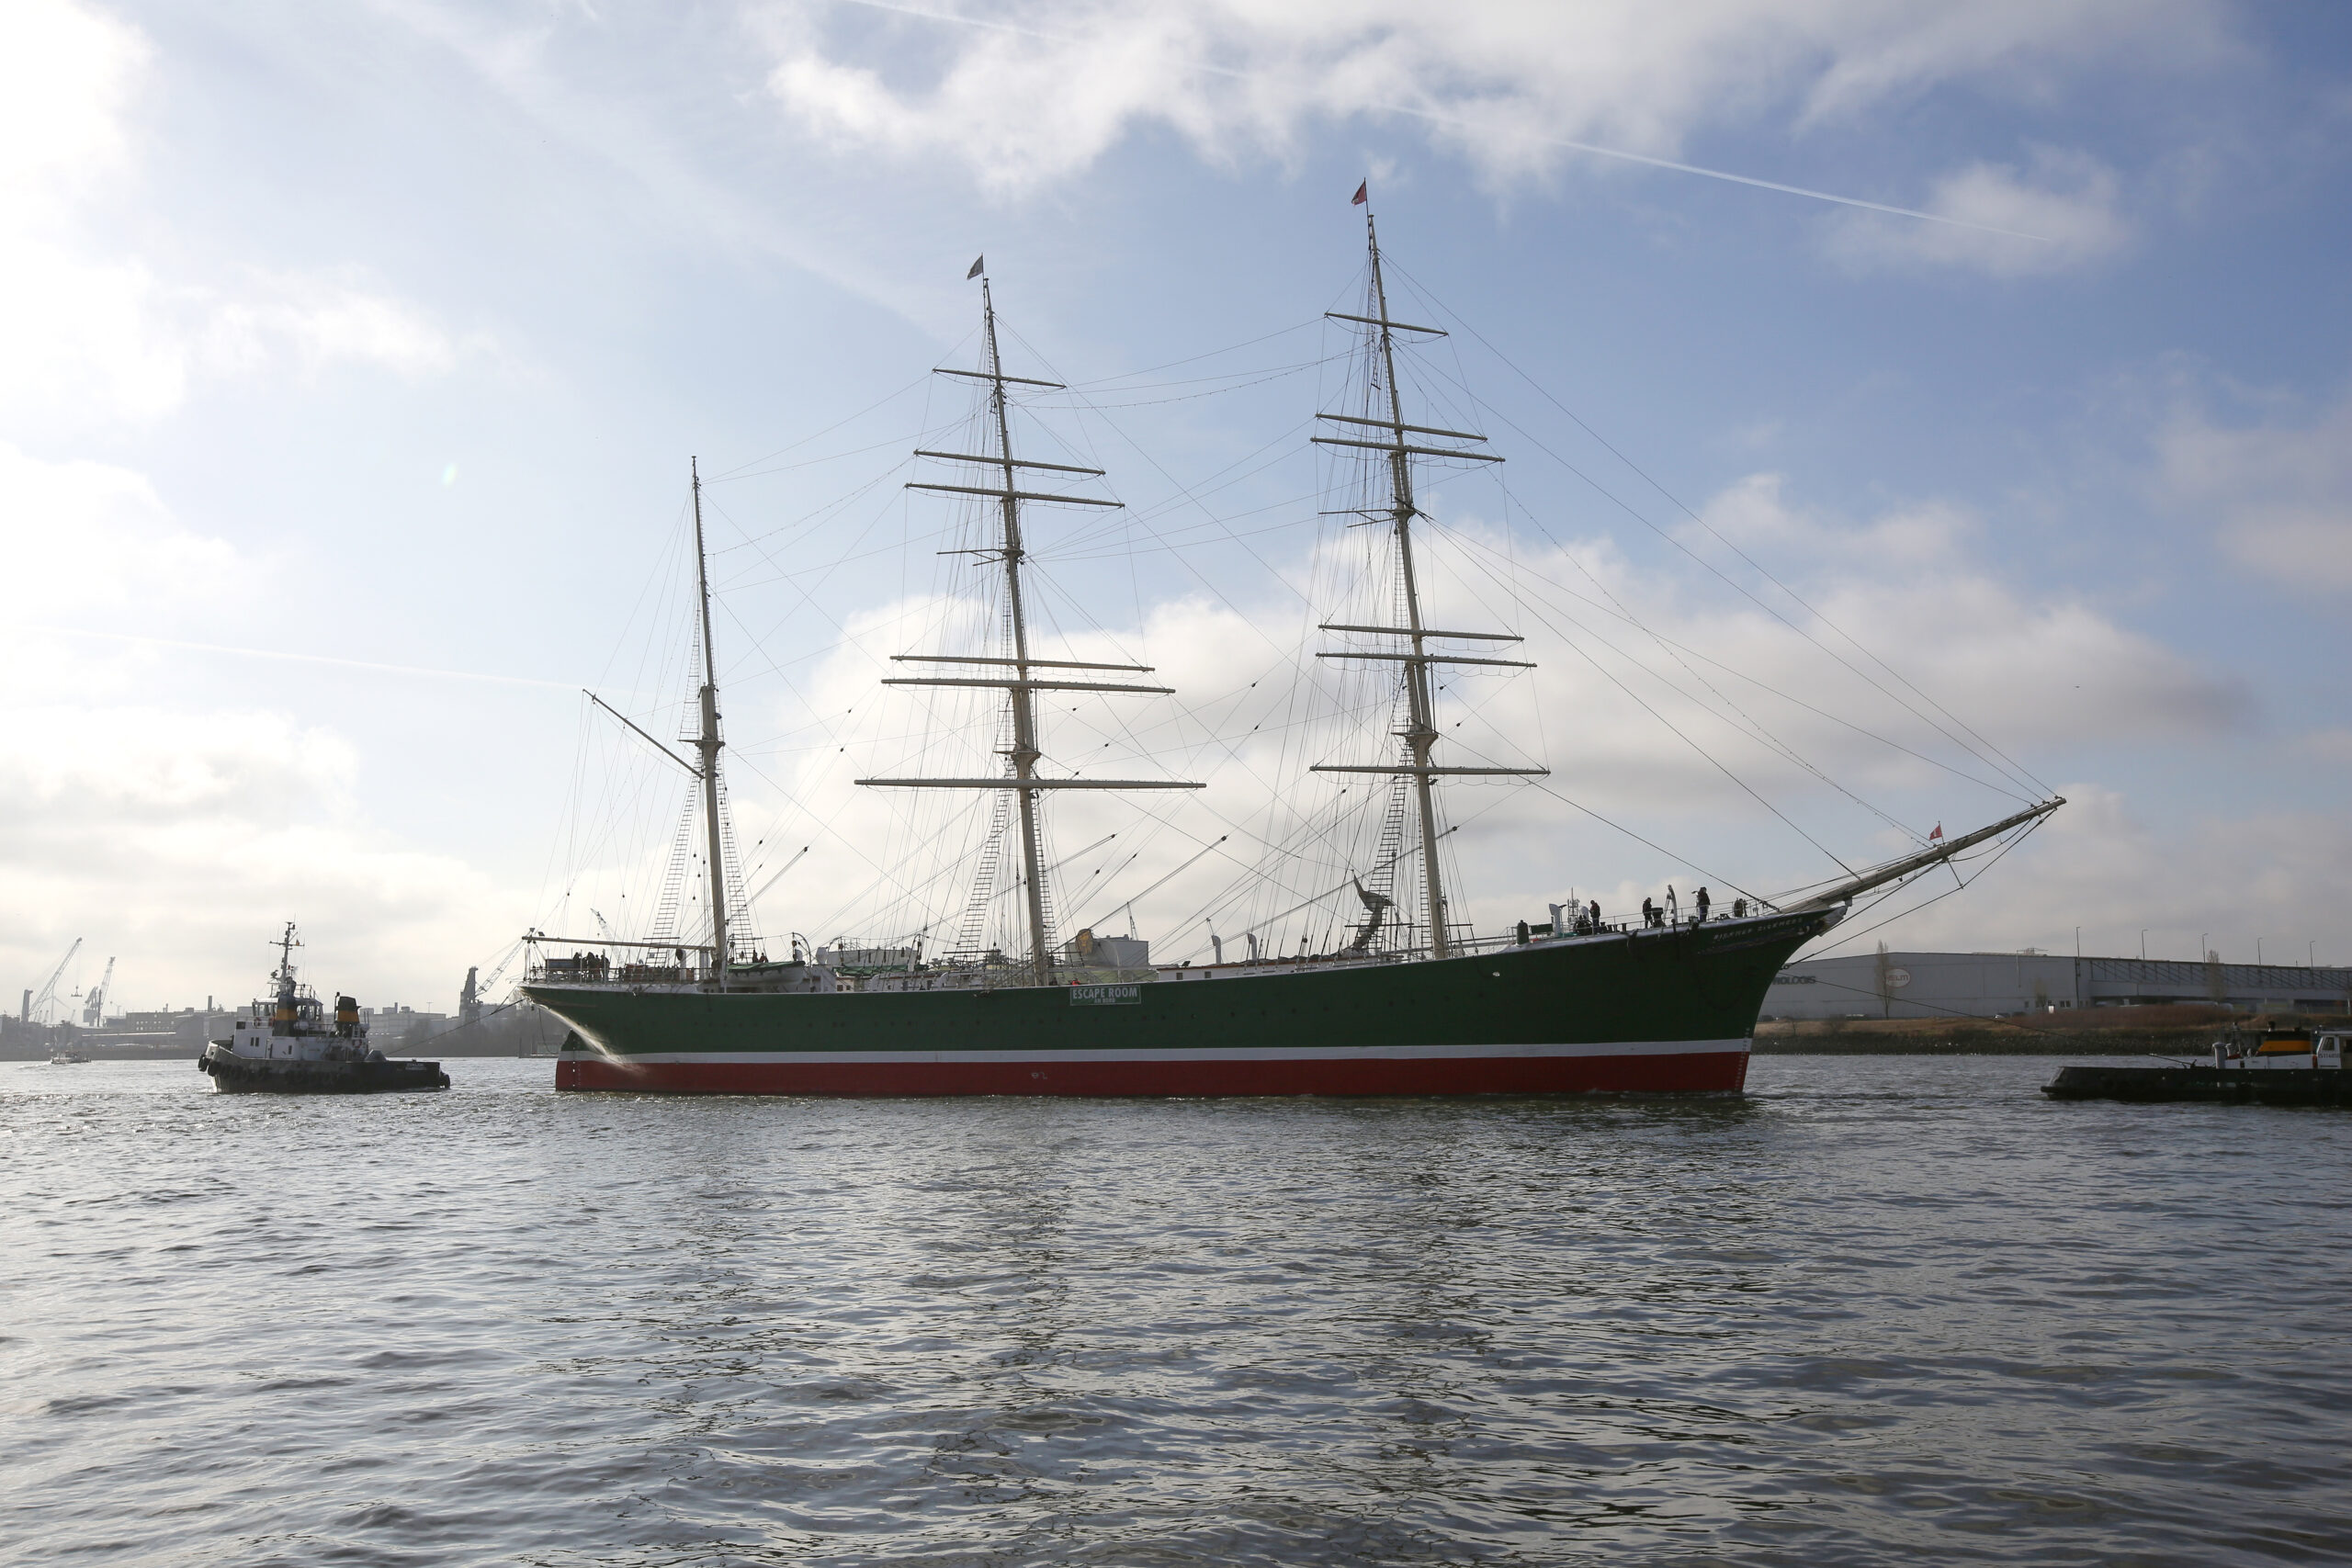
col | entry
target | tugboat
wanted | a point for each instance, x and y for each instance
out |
(289, 1047)
(66, 1056)
(2276, 1066)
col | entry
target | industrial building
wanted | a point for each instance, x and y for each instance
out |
(1990, 985)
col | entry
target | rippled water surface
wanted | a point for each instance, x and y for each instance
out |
(1882, 1308)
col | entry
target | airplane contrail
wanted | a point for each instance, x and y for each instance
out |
(289, 657)
(1457, 122)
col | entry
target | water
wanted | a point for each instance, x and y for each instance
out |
(1884, 1307)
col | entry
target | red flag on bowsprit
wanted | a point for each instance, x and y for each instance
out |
(1362, 195)
(1937, 834)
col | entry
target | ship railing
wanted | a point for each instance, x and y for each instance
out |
(605, 961)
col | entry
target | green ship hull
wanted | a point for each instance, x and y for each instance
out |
(1655, 1010)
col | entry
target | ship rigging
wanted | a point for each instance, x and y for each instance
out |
(1406, 1003)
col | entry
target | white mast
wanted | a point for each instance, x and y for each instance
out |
(1420, 733)
(1024, 683)
(707, 744)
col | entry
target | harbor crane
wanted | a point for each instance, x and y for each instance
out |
(42, 1000)
(93, 1005)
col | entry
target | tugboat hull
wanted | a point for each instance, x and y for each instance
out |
(232, 1076)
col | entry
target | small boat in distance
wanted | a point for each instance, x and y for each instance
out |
(66, 1056)
(289, 1046)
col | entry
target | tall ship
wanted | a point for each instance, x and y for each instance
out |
(1400, 997)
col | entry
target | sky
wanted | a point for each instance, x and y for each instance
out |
(352, 359)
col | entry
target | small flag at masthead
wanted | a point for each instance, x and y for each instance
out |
(978, 262)
(1937, 834)
(1362, 195)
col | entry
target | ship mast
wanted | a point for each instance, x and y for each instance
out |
(1024, 683)
(707, 744)
(1024, 700)
(1420, 717)
(1420, 733)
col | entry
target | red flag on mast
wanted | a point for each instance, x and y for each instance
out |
(1937, 834)
(1362, 195)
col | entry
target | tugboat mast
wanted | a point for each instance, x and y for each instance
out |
(707, 744)
(285, 944)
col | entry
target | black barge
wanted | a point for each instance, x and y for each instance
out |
(2280, 1068)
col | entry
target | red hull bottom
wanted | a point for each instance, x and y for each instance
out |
(1692, 1072)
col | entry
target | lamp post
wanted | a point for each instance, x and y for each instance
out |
(2144, 945)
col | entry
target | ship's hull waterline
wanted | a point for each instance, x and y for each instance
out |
(1652, 1012)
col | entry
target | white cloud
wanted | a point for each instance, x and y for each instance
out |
(2280, 498)
(2035, 670)
(181, 834)
(1028, 93)
(187, 838)
(1755, 514)
(93, 332)
(2331, 747)
(66, 74)
(88, 536)
(311, 322)
(2063, 213)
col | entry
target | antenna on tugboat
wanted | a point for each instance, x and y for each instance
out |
(285, 944)
(707, 744)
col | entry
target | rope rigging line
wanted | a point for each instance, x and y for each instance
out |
(1755, 729)
(1984, 750)
(1732, 670)
(1620, 827)
(1313, 321)
(1317, 703)
(921, 380)
(1680, 734)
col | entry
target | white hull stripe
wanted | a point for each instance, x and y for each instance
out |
(785, 1056)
